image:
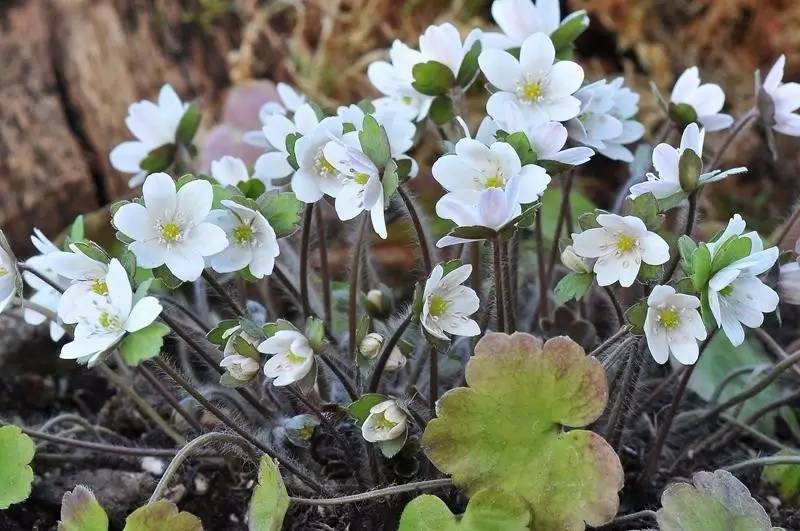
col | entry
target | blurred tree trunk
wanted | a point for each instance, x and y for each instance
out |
(68, 71)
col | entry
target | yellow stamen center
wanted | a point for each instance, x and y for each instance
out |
(294, 359)
(407, 100)
(625, 243)
(382, 423)
(361, 178)
(108, 321)
(323, 166)
(531, 91)
(100, 287)
(3, 271)
(494, 181)
(726, 291)
(669, 318)
(170, 232)
(243, 234)
(437, 306)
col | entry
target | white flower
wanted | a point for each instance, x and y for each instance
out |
(274, 163)
(735, 293)
(494, 208)
(400, 131)
(361, 188)
(154, 125)
(386, 422)
(542, 90)
(666, 161)
(229, 171)
(106, 319)
(476, 167)
(170, 227)
(447, 304)
(785, 100)
(252, 240)
(519, 19)
(290, 102)
(547, 140)
(43, 293)
(674, 325)
(620, 244)
(706, 100)
(789, 283)
(86, 276)
(240, 367)
(9, 277)
(443, 44)
(606, 119)
(292, 360)
(575, 263)
(370, 346)
(394, 80)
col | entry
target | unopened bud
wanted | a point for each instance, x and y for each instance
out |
(573, 262)
(396, 360)
(789, 283)
(371, 345)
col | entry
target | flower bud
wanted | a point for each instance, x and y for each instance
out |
(789, 283)
(240, 367)
(378, 303)
(573, 262)
(396, 360)
(371, 345)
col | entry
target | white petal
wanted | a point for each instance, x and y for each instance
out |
(143, 314)
(127, 156)
(537, 54)
(159, 194)
(500, 68)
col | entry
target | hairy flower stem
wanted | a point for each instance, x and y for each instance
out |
(425, 249)
(508, 294)
(476, 279)
(609, 341)
(622, 404)
(324, 270)
(223, 293)
(620, 313)
(562, 214)
(225, 419)
(655, 452)
(433, 380)
(186, 451)
(543, 308)
(156, 384)
(497, 273)
(375, 379)
(246, 394)
(340, 374)
(691, 216)
(140, 402)
(352, 307)
(305, 243)
(379, 493)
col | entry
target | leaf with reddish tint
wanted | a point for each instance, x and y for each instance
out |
(508, 431)
(81, 512)
(162, 516)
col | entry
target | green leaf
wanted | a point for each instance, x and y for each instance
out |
(701, 266)
(270, 329)
(522, 145)
(159, 159)
(432, 78)
(77, 229)
(476, 232)
(683, 114)
(252, 188)
(487, 511)
(389, 181)
(648, 273)
(270, 500)
(392, 447)
(635, 316)
(92, 250)
(374, 141)
(359, 409)
(166, 277)
(718, 362)
(216, 333)
(670, 202)
(733, 249)
(162, 516)
(645, 207)
(442, 110)
(81, 512)
(573, 286)
(188, 126)
(785, 477)
(469, 66)
(143, 344)
(404, 167)
(221, 193)
(245, 348)
(501, 433)
(690, 166)
(315, 333)
(714, 502)
(291, 140)
(570, 29)
(16, 475)
(686, 248)
(282, 210)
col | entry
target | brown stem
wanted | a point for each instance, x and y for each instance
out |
(500, 306)
(352, 308)
(543, 310)
(375, 379)
(305, 243)
(421, 236)
(567, 190)
(156, 384)
(223, 293)
(324, 270)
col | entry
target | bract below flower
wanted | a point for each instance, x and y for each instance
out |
(785, 100)
(386, 421)
(673, 325)
(620, 244)
(394, 79)
(443, 44)
(519, 19)
(706, 100)
(252, 241)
